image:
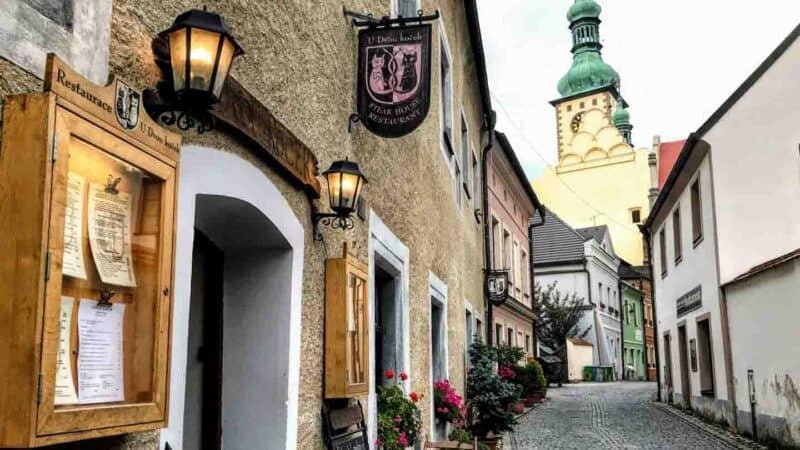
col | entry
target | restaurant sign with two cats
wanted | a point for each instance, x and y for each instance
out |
(394, 78)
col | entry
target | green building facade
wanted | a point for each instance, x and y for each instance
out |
(633, 349)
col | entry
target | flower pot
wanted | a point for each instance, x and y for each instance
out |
(518, 407)
(529, 401)
(492, 442)
(543, 393)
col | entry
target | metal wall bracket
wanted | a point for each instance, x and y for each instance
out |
(368, 20)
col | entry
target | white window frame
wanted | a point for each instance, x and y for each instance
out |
(468, 337)
(465, 151)
(444, 45)
(476, 177)
(396, 7)
(437, 292)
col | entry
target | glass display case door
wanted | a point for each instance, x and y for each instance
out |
(105, 336)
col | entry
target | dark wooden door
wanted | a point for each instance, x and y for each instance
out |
(210, 354)
(683, 353)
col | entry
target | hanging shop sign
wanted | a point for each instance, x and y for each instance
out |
(497, 286)
(394, 83)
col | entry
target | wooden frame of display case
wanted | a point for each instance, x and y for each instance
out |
(41, 135)
(347, 343)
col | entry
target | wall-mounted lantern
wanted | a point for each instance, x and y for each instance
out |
(201, 51)
(345, 183)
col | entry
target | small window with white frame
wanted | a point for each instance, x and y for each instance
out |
(466, 163)
(445, 94)
(476, 180)
(405, 8)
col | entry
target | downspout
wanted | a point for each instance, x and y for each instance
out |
(648, 243)
(621, 331)
(531, 226)
(490, 119)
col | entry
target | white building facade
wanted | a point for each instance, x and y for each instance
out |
(583, 262)
(743, 167)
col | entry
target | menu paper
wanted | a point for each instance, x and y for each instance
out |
(73, 264)
(110, 235)
(100, 352)
(65, 388)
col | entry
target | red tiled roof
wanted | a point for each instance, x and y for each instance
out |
(667, 155)
(578, 341)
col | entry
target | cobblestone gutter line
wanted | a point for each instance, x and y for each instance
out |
(729, 438)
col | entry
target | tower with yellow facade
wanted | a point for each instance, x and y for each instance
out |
(600, 179)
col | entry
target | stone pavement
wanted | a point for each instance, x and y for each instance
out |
(613, 416)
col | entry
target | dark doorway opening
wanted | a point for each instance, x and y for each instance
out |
(668, 367)
(386, 326)
(706, 358)
(204, 365)
(683, 353)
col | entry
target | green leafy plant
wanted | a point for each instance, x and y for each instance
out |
(524, 378)
(537, 374)
(398, 417)
(489, 394)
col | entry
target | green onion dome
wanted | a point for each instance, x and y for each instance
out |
(583, 9)
(588, 72)
(621, 116)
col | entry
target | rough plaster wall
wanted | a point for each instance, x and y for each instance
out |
(300, 63)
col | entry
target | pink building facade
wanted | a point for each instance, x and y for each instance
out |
(512, 204)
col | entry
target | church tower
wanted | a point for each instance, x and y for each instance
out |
(600, 179)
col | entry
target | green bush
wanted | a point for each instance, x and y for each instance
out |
(525, 379)
(537, 373)
(489, 394)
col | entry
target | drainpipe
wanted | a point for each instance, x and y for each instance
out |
(490, 119)
(649, 247)
(531, 226)
(621, 332)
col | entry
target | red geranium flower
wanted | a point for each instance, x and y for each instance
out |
(403, 376)
(390, 374)
(414, 397)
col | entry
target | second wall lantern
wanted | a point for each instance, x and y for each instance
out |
(201, 52)
(345, 183)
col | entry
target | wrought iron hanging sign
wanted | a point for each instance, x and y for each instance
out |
(394, 78)
(497, 286)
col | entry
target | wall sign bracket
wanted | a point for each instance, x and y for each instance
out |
(368, 20)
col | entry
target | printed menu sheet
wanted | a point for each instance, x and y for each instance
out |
(100, 352)
(110, 235)
(65, 387)
(73, 228)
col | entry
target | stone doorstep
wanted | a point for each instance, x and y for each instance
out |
(730, 438)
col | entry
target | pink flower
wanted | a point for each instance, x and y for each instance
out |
(403, 439)
(398, 419)
(377, 442)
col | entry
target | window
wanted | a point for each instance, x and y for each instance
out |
(498, 334)
(594, 102)
(405, 8)
(609, 298)
(676, 233)
(600, 295)
(697, 213)
(510, 336)
(525, 277)
(445, 94)
(497, 251)
(636, 215)
(528, 344)
(515, 268)
(662, 248)
(476, 180)
(465, 155)
(507, 252)
(569, 108)
(469, 335)
(457, 181)
(479, 328)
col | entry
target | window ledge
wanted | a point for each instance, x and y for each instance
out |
(697, 241)
(678, 260)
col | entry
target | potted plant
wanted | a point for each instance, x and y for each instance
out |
(539, 380)
(489, 396)
(446, 402)
(398, 416)
(525, 380)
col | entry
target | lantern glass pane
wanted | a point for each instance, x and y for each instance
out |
(349, 185)
(334, 184)
(203, 54)
(225, 58)
(177, 52)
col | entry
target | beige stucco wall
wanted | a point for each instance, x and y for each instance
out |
(300, 63)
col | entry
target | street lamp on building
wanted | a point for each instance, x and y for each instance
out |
(201, 52)
(345, 183)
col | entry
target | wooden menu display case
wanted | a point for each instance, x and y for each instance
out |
(346, 327)
(87, 218)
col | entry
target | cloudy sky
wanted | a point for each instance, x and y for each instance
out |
(678, 60)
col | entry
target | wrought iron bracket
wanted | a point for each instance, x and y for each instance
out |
(332, 220)
(352, 121)
(368, 20)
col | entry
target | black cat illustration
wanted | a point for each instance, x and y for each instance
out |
(409, 81)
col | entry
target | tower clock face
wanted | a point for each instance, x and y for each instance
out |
(576, 122)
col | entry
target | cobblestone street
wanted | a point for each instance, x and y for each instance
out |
(611, 416)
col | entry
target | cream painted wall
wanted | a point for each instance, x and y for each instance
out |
(766, 349)
(578, 356)
(757, 171)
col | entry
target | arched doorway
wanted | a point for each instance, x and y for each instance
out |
(236, 319)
